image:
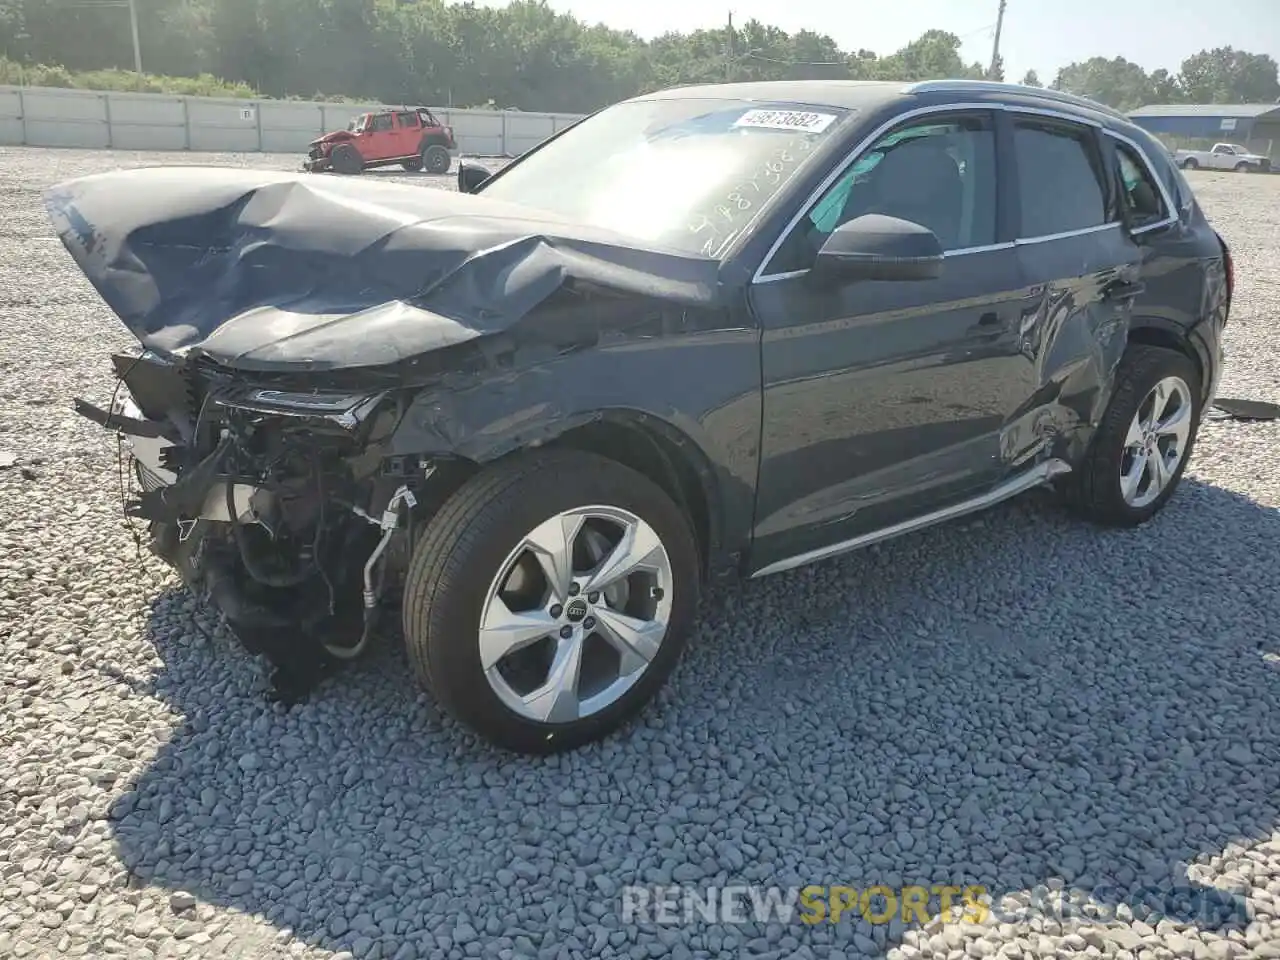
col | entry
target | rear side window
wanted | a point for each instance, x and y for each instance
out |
(1060, 187)
(407, 119)
(1178, 189)
(1139, 192)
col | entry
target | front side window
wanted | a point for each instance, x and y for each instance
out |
(1139, 193)
(940, 174)
(1060, 182)
(690, 175)
(382, 122)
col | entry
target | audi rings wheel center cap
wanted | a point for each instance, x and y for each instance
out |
(576, 612)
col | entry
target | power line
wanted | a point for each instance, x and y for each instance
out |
(752, 55)
(974, 33)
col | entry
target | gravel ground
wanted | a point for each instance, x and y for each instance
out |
(1001, 702)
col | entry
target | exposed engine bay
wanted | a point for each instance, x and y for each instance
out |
(279, 507)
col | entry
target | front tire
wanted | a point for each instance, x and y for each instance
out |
(550, 598)
(436, 159)
(1140, 449)
(346, 160)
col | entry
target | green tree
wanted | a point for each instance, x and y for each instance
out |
(1118, 83)
(1031, 79)
(935, 55)
(523, 55)
(1225, 75)
(1165, 87)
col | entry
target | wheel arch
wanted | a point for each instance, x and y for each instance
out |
(435, 138)
(1157, 332)
(651, 446)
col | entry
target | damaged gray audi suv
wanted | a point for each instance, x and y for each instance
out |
(707, 332)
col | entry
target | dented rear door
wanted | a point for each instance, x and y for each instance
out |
(1082, 274)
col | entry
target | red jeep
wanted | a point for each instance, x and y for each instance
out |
(411, 137)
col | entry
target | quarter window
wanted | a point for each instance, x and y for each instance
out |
(1139, 193)
(1060, 187)
(940, 174)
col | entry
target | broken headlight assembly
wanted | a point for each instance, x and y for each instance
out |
(348, 410)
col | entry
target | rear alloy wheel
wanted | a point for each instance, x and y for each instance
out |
(346, 160)
(550, 598)
(1142, 446)
(436, 159)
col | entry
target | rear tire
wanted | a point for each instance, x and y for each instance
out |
(1130, 470)
(436, 159)
(1190, 163)
(346, 160)
(463, 611)
(1243, 167)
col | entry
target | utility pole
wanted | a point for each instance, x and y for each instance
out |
(137, 47)
(995, 47)
(729, 50)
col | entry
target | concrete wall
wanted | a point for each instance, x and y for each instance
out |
(43, 117)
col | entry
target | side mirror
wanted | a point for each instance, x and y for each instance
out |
(876, 247)
(470, 177)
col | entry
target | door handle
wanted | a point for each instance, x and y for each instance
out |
(1123, 290)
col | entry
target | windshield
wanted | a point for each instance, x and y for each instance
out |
(354, 125)
(686, 174)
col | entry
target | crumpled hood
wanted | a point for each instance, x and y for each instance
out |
(278, 272)
(337, 136)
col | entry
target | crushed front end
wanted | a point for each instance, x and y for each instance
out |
(318, 159)
(276, 504)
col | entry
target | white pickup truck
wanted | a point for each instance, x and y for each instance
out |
(1223, 156)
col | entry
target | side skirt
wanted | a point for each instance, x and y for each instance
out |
(1038, 475)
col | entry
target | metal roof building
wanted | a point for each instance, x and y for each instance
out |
(1256, 125)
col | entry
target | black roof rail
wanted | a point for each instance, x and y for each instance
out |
(993, 86)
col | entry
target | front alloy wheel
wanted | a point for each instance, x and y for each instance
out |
(549, 599)
(576, 614)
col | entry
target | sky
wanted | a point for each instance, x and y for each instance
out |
(1038, 34)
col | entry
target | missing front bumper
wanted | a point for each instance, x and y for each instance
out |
(148, 455)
